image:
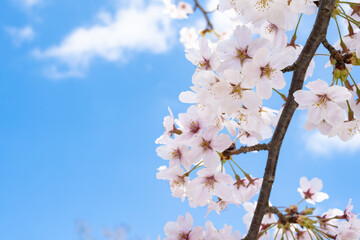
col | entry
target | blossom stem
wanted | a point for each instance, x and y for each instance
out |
(342, 44)
(281, 95)
(322, 54)
(316, 234)
(300, 202)
(232, 168)
(350, 112)
(292, 235)
(356, 86)
(239, 167)
(293, 39)
(350, 19)
(277, 233)
(196, 166)
(309, 233)
(266, 229)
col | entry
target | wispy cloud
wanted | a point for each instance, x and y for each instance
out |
(21, 35)
(325, 146)
(28, 3)
(113, 38)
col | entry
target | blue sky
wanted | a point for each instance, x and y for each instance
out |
(81, 106)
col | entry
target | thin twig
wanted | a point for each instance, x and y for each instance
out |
(209, 26)
(334, 53)
(289, 68)
(276, 211)
(245, 149)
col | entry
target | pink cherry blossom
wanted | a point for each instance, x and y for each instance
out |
(209, 183)
(265, 71)
(310, 191)
(209, 145)
(182, 229)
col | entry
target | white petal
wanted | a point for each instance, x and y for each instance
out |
(305, 98)
(318, 86)
(221, 142)
(171, 229)
(338, 93)
(334, 114)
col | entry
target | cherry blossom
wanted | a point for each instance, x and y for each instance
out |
(240, 49)
(265, 70)
(209, 145)
(203, 56)
(208, 183)
(310, 191)
(223, 234)
(321, 102)
(182, 229)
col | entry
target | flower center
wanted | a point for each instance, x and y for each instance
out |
(262, 5)
(237, 91)
(242, 54)
(205, 64)
(270, 28)
(267, 71)
(209, 181)
(308, 194)
(321, 103)
(184, 236)
(176, 154)
(194, 127)
(206, 145)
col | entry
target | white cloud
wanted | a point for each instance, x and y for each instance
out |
(323, 145)
(29, 3)
(112, 38)
(20, 35)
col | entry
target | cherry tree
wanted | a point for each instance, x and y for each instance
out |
(238, 69)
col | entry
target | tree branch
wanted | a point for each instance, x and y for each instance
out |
(209, 26)
(289, 68)
(317, 35)
(277, 212)
(334, 53)
(245, 149)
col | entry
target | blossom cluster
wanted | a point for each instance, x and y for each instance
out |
(183, 229)
(292, 223)
(235, 75)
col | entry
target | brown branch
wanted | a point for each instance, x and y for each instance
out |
(289, 68)
(245, 149)
(334, 53)
(276, 211)
(209, 26)
(317, 35)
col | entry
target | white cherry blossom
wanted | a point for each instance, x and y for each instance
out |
(182, 229)
(178, 180)
(321, 102)
(209, 145)
(240, 49)
(209, 182)
(203, 56)
(310, 191)
(265, 71)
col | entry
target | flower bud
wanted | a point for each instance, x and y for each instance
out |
(291, 210)
(307, 211)
(337, 73)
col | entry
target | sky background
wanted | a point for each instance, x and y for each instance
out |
(84, 87)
